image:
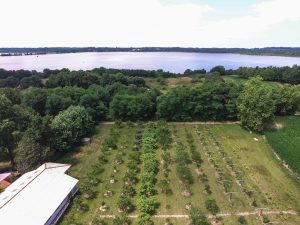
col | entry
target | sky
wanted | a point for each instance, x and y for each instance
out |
(149, 23)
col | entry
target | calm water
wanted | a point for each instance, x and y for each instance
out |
(169, 61)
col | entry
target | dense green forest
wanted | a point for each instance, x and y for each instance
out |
(280, 51)
(45, 114)
(60, 78)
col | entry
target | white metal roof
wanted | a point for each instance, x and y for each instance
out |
(35, 196)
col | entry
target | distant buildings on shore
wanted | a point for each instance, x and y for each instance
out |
(21, 54)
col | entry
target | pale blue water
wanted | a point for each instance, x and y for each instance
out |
(176, 62)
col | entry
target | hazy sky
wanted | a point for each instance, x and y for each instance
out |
(135, 23)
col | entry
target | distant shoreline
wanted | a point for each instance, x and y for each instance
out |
(270, 51)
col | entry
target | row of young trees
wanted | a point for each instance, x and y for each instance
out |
(147, 202)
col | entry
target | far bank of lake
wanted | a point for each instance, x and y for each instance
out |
(176, 62)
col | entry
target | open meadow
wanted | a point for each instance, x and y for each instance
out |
(223, 170)
(286, 140)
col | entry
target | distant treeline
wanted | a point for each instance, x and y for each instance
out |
(102, 76)
(282, 51)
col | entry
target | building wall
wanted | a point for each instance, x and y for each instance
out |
(62, 208)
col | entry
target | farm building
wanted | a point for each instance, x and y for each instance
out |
(38, 197)
(4, 180)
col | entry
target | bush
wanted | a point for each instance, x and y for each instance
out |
(266, 219)
(125, 204)
(147, 189)
(144, 219)
(151, 164)
(197, 217)
(212, 206)
(148, 205)
(242, 220)
(164, 185)
(184, 174)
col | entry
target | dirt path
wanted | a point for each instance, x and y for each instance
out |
(249, 213)
(187, 123)
(285, 164)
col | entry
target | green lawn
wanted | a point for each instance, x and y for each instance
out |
(286, 141)
(253, 160)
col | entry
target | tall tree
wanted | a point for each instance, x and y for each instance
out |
(7, 127)
(29, 154)
(69, 126)
(256, 105)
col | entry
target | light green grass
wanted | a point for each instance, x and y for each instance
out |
(286, 140)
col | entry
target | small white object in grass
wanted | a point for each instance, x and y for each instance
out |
(255, 139)
(86, 140)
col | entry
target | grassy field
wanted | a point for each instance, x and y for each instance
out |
(286, 140)
(192, 81)
(168, 83)
(241, 171)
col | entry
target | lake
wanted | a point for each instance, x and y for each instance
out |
(176, 62)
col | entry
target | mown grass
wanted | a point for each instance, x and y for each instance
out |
(286, 140)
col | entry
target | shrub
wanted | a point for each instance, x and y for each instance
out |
(184, 174)
(197, 217)
(151, 164)
(212, 206)
(125, 204)
(129, 190)
(164, 186)
(242, 220)
(147, 189)
(148, 204)
(207, 189)
(266, 219)
(144, 219)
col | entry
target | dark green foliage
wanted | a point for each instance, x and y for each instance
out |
(133, 107)
(7, 127)
(242, 220)
(184, 174)
(196, 157)
(36, 99)
(219, 69)
(266, 219)
(181, 155)
(281, 74)
(69, 126)
(56, 103)
(207, 189)
(197, 217)
(147, 189)
(32, 81)
(163, 134)
(29, 154)
(255, 105)
(148, 205)
(125, 204)
(144, 219)
(208, 102)
(165, 187)
(212, 206)
(150, 163)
